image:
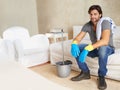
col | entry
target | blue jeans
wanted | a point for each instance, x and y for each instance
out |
(102, 53)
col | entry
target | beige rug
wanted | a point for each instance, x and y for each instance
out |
(49, 71)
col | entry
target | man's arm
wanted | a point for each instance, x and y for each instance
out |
(75, 51)
(104, 40)
(79, 37)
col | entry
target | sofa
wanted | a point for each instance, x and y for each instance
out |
(113, 64)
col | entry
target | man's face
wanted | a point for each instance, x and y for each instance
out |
(94, 16)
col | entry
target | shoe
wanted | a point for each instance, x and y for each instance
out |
(102, 83)
(81, 76)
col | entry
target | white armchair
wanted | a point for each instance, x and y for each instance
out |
(30, 51)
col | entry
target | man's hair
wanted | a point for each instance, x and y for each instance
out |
(95, 7)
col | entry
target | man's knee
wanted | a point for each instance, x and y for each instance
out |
(102, 51)
(82, 46)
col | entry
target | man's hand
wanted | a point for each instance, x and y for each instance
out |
(85, 52)
(75, 51)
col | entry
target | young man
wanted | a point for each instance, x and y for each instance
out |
(101, 48)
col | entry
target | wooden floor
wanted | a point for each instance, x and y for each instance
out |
(49, 71)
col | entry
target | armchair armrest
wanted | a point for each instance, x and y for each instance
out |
(7, 50)
(40, 41)
(10, 49)
(18, 48)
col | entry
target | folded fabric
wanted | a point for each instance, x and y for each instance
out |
(98, 30)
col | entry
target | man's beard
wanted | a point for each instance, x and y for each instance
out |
(94, 21)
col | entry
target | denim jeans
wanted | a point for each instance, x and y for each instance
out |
(102, 53)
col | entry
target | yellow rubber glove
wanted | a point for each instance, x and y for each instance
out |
(89, 47)
(74, 42)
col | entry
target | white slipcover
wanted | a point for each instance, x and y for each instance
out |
(30, 51)
(113, 64)
(6, 50)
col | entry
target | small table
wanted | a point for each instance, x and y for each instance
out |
(56, 36)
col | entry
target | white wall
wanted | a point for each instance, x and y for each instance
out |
(18, 12)
(39, 16)
(66, 13)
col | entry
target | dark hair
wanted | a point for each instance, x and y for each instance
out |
(95, 7)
